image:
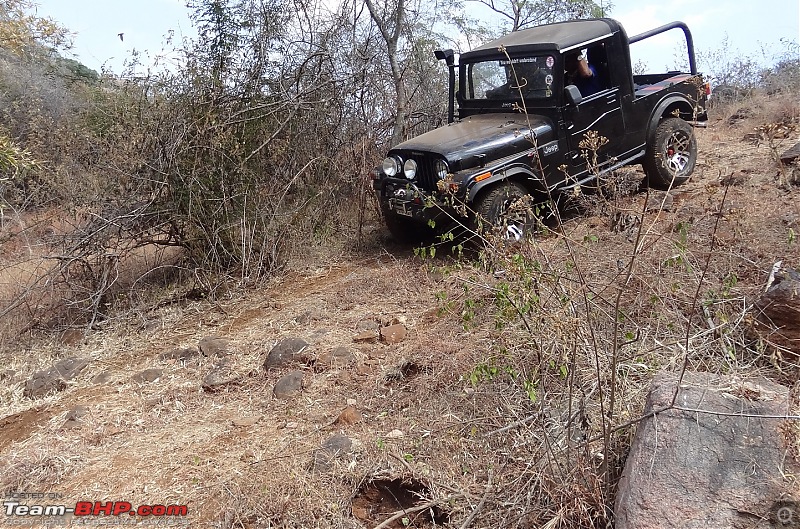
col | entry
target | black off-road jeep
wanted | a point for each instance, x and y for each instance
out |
(521, 121)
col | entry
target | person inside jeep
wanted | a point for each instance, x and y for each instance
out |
(581, 74)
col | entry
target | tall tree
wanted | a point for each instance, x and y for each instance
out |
(23, 32)
(389, 18)
(521, 14)
(25, 35)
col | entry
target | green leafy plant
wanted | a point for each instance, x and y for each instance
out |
(483, 372)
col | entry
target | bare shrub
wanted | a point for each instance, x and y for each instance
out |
(581, 320)
(68, 271)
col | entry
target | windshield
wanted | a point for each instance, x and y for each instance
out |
(508, 78)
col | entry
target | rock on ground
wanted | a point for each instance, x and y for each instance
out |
(336, 447)
(348, 417)
(218, 377)
(54, 379)
(777, 311)
(286, 351)
(148, 375)
(791, 154)
(723, 467)
(180, 355)
(289, 385)
(393, 334)
(70, 368)
(337, 357)
(43, 383)
(214, 346)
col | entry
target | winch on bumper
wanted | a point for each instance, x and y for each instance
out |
(406, 199)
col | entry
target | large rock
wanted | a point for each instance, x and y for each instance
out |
(214, 346)
(286, 351)
(723, 467)
(289, 385)
(53, 379)
(777, 311)
(333, 448)
(791, 154)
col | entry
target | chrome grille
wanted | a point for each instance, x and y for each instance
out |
(426, 170)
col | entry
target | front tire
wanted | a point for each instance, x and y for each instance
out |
(671, 156)
(503, 208)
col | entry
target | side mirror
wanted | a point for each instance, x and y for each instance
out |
(572, 95)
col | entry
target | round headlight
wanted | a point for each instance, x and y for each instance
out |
(441, 169)
(391, 166)
(410, 169)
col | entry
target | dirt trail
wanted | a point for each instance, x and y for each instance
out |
(240, 457)
(171, 442)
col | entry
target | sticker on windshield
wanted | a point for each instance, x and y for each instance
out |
(548, 80)
(506, 62)
(550, 61)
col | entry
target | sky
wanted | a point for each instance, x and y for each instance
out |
(144, 24)
(750, 26)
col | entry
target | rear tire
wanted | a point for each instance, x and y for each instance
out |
(501, 209)
(671, 157)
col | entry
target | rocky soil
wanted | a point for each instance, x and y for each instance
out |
(360, 388)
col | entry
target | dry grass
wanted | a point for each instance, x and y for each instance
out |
(505, 419)
(49, 281)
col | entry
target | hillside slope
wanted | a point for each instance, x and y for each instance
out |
(473, 405)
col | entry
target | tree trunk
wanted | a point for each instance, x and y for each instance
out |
(390, 26)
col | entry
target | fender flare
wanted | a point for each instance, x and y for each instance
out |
(661, 110)
(529, 178)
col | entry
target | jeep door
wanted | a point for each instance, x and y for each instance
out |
(599, 112)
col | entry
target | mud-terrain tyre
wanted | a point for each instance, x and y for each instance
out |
(492, 211)
(671, 156)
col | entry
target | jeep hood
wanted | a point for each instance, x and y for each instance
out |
(481, 138)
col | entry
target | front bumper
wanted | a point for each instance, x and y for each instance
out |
(405, 199)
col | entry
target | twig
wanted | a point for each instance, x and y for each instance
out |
(477, 509)
(405, 512)
(512, 425)
(737, 414)
(696, 296)
(616, 347)
(673, 407)
(626, 424)
(775, 269)
(478, 284)
(403, 461)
